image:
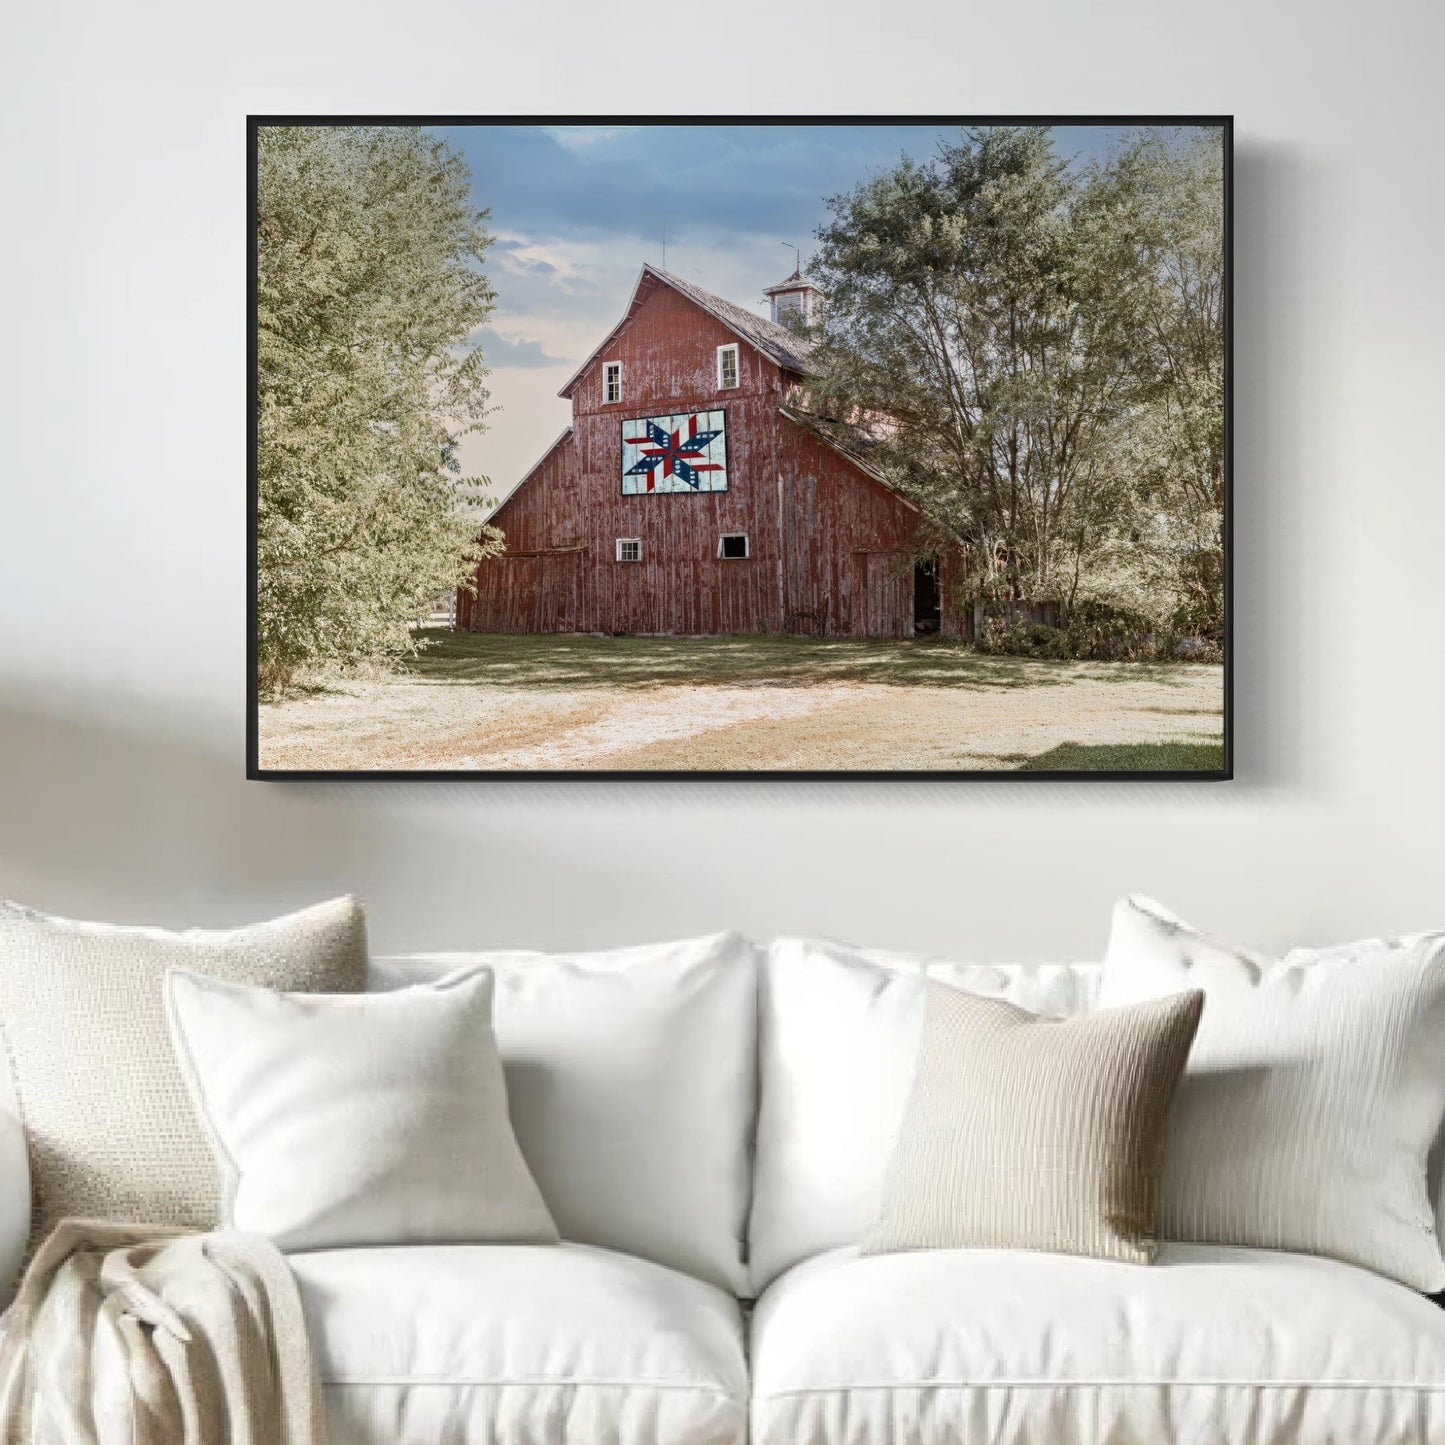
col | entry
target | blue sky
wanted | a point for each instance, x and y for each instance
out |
(577, 210)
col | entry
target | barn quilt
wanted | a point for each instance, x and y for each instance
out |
(685, 453)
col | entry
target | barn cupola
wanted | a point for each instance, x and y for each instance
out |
(795, 299)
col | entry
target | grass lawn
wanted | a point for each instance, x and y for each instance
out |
(549, 661)
(496, 703)
(1129, 758)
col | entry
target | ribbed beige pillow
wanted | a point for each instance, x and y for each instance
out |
(108, 1121)
(1026, 1132)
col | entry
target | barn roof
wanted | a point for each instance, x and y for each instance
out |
(531, 472)
(854, 444)
(848, 441)
(776, 342)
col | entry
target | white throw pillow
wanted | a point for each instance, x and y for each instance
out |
(1362, 948)
(1314, 1093)
(838, 1044)
(632, 1075)
(358, 1119)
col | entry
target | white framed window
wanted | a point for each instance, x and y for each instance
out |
(727, 367)
(611, 381)
(629, 549)
(733, 546)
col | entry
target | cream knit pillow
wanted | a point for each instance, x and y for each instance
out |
(1026, 1132)
(1313, 1096)
(109, 1125)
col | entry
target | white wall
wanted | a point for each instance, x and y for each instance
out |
(122, 466)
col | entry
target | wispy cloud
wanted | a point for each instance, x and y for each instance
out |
(498, 350)
(582, 139)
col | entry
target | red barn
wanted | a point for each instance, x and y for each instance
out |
(690, 497)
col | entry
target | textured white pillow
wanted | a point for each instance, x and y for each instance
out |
(838, 1043)
(1313, 1096)
(632, 1075)
(1356, 951)
(359, 1119)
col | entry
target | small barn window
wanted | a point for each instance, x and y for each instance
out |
(733, 546)
(629, 549)
(727, 367)
(612, 381)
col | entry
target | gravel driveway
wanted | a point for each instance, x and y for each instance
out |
(984, 717)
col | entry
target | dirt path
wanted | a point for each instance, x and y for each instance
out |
(404, 724)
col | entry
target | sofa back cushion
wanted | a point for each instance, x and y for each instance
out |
(839, 1029)
(632, 1078)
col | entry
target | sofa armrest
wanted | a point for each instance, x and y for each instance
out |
(14, 1203)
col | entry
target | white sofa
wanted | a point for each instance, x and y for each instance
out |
(710, 1125)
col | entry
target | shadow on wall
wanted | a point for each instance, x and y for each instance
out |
(104, 819)
(1282, 519)
(143, 815)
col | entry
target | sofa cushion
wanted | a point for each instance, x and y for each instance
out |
(838, 1041)
(632, 1079)
(1211, 1344)
(519, 1345)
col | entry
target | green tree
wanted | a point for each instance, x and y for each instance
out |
(1038, 351)
(958, 304)
(369, 288)
(1156, 212)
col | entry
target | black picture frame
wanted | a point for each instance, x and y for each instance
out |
(254, 771)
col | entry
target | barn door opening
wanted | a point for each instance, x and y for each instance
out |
(927, 601)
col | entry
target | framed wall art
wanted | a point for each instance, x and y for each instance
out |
(759, 447)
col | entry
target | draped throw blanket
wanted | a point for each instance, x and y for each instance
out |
(126, 1335)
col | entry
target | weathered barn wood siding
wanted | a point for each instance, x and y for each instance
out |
(517, 592)
(669, 364)
(848, 541)
(821, 533)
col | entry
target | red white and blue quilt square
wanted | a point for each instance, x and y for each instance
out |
(683, 453)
